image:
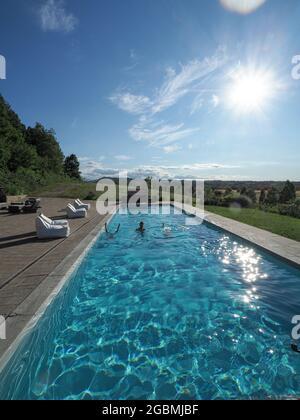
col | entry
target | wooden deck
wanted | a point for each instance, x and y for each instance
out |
(25, 261)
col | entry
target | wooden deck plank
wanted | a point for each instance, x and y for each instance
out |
(26, 261)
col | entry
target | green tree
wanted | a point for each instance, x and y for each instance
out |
(71, 167)
(250, 193)
(29, 157)
(288, 193)
(262, 197)
(22, 156)
(47, 147)
(272, 197)
(8, 118)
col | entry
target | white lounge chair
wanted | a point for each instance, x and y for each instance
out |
(46, 230)
(75, 213)
(78, 204)
(54, 222)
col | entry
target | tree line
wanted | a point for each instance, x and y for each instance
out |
(283, 201)
(30, 157)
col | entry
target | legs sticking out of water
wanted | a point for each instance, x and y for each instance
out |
(110, 234)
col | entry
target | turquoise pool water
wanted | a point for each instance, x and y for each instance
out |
(191, 314)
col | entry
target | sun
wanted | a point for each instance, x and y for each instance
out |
(250, 90)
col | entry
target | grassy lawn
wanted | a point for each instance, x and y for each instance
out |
(66, 190)
(81, 190)
(288, 227)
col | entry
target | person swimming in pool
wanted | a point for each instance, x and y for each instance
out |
(141, 228)
(167, 230)
(294, 347)
(109, 234)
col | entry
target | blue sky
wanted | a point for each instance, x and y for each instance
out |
(158, 87)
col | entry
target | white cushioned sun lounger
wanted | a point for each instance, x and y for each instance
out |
(54, 222)
(75, 213)
(46, 230)
(80, 205)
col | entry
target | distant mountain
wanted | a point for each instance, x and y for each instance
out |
(256, 185)
(236, 185)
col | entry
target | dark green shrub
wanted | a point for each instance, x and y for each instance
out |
(288, 193)
(292, 210)
(91, 196)
(243, 201)
(272, 197)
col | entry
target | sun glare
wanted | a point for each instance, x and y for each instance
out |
(242, 6)
(250, 91)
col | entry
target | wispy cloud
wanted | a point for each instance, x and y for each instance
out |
(188, 80)
(134, 60)
(94, 169)
(172, 148)
(123, 158)
(205, 166)
(54, 17)
(197, 103)
(191, 171)
(176, 85)
(133, 104)
(159, 133)
(215, 100)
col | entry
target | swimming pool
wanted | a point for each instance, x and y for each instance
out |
(188, 314)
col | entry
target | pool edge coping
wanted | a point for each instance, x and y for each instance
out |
(60, 277)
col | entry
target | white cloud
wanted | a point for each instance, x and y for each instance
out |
(159, 133)
(147, 170)
(170, 72)
(197, 104)
(208, 166)
(83, 159)
(93, 170)
(133, 104)
(176, 85)
(54, 17)
(123, 158)
(192, 171)
(215, 100)
(187, 80)
(172, 149)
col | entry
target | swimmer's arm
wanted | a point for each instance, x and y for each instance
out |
(295, 348)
